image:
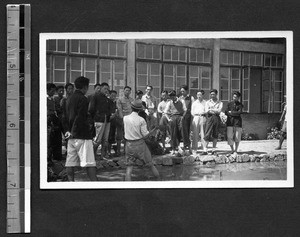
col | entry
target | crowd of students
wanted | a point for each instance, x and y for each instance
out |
(86, 122)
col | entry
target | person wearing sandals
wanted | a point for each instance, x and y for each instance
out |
(213, 107)
(234, 122)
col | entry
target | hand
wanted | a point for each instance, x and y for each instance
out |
(68, 135)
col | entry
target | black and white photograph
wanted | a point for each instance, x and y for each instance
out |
(166, 110)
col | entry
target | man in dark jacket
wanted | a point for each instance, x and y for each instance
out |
(234, 122)
(100, 109)
(78, 131)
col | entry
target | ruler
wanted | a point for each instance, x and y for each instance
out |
(18, 118)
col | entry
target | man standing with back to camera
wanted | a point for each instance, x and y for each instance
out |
(78, 131)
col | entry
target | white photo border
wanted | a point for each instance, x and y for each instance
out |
(288, 183)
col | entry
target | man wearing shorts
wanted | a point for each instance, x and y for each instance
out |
(78, 131)
(234, 122)
(135, 128)
(283, 129)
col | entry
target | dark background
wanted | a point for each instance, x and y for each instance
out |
(153, 212)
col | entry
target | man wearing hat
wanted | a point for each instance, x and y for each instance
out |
(135, 129)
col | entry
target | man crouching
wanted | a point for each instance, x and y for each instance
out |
(135, 129)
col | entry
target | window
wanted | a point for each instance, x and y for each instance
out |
(110, 48)
(200, 55)
(90, 69)
(84, 46)
(48, 64)
(57, 45)
(149, 74)
(275, 61)
(230, 79)
(76, 68)
(174, 76)
(200, 79)
(114, 73)
(175, 54)
(230, 58)
(246, 89)
(59, 70)
(83, 67)
(252, 59)
(145, 51)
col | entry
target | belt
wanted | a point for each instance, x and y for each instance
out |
(134, 140)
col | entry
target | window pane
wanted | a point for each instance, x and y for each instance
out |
(59, 62)
(235, 74)
(279, 61)
(83, 46)
(59, 76)
(119, 79)
(142, 80)
(205, 84)
(246, 94)
(156, 52)
(224, 59)
(273, 61)
(252, 59)
(278, 86)
(155, 81)
(90, 64)
(245, 106)
(61, 45)
(149, 51)
(112, 49)
(277, 96)
(224, 84)
(104, 48)
(206, 72)
(193, 55)
(194, 82)
(51, 45)
(105, 76)
(155, 69)
(180, 81)
(207, 56)
(235, 84)
(92, 47)
(167, 52)
(174, 54)
(277, 76)
(181, 70)
(277, 107)
(194, 71)
(246, 59)
(200, 55)
(91, 76)
(168, 81)
(258, 60)
(246, 73)
(182, 54)
(142, 68)
(74, 75)
(120, 49)
(141, 51)
(224, 72)
(168, 70)
(76, 63)
(105, 66)
(119, 66)
(237, 58)
(230, 58)
(224, 95)
(267, 60)
(246, 84)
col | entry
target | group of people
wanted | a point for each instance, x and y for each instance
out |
(86, 122)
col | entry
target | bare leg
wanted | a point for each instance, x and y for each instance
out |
(91, 172)
(282, 137)
(214, 144)
(154, 171)
(236, 146)
(128, 173)
(70, 173)
(232, 148)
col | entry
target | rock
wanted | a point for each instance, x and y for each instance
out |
(189, 160)
(139, 162)
(103, 163)
(220, 159)
(99, 166)
(227, 160)
(111, 163)
(245, 158)
(279, 157)
(167, 161)
(239, 159)
(177, 160)
(210, 163)
(232, 158)
(252, 158)
(264, 159)
(207, 158)
(158, 160)
(121, 163)
(272, 156)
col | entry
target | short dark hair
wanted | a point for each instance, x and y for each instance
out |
(112, 91)
(149, 86)
(164, 91)
(59, 87)
(104, 84)
(127, 87)
(81, 82)
(172, 93)
(68, 84)
(50, 86)
(202, 92)
(97, 84)
(139, 92)
(185, 87)
(237, 93)
(214, 90)
(135, 110)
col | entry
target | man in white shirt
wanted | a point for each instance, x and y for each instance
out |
(150, 101)
(135, 129)
(199, 120)
(213, 108)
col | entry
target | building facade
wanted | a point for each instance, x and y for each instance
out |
(255, 68)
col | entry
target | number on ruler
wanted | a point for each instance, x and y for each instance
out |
(12, 125)
(12, 65)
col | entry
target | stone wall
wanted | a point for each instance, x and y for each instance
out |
(258, 123)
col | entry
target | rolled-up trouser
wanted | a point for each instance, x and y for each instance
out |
(102, 133)
(211, 127)
(186, 128)
(234, 134)
(175, 130)
(115, 131)
(198, 126)
(164, 125)
(137, 150)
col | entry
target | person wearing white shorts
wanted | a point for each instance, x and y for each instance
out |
(79, 132)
